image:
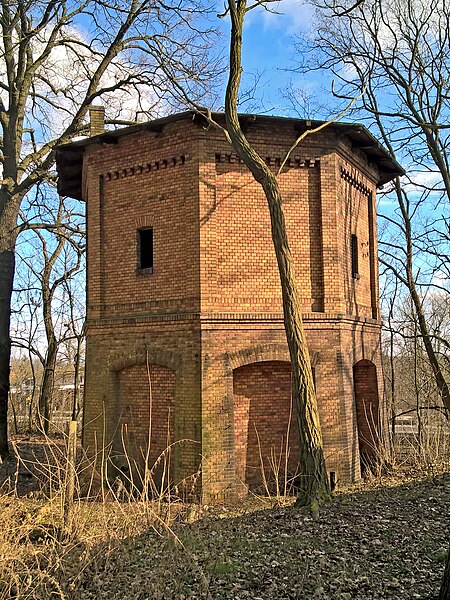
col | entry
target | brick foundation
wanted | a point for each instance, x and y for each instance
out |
(152, 405)
(367, 410)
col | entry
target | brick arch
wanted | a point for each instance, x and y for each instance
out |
(367, 405)
(139, 356)
(131, 405)
(134, 426)
(263, 353)
(264, 426)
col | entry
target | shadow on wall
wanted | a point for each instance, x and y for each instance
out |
(265, 427)
(367, 411)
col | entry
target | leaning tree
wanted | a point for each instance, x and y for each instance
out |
(313, 482)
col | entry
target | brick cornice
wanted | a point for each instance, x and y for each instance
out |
(213, 319)
(354, 181)
(272, 161)
(148, 167)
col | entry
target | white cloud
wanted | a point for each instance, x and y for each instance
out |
(292, 16)
(440, 279)
(64, 78)
(423, 179)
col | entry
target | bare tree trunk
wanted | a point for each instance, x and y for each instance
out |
(392, 364)
(72, 443)
(48, 289)
(76, 406)
(6, 285)
(70, 475)
(416, 390)
(313, 482)
(13, 409)
(27, 65)
(47, 387)
(410, 282)
(392, 367)
(439, 378)
(427, 342)
(408, 278)
(33, 391)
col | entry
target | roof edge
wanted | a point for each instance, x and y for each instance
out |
(69, 157)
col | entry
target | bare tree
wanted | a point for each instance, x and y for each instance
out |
(399, 51)
(26, 358)
(399, 258)
(314, 487)
(55, 255)
(57, 57)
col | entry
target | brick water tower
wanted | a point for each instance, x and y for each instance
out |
(185, 339)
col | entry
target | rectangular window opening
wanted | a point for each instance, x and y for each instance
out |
(354, 256)
(145, 250)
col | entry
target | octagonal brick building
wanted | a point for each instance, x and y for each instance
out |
(185, 340)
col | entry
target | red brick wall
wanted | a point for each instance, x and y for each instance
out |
(367, 408)
(146, 422)
(237, 242)
(357, 213)
(328, 190)
(145, 180)
(215, 289)
(117, 344)
(263, 418)
(335, 346)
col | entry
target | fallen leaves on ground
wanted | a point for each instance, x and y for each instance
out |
(388, 542)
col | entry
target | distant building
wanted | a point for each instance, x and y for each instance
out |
(182, 275)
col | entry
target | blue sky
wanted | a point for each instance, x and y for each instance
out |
(268, 49)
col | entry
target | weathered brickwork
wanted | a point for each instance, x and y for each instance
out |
(367, 413)
(203, 328)
(153, 405)
(265, 429)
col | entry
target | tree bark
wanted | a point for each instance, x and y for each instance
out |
(69, 493)
(47, 387)
(26, 58)
(8, 219)
(6, 284)
(48, 290)
(313, 488)
(76, 382)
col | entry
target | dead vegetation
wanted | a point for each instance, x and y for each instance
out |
(384, 538)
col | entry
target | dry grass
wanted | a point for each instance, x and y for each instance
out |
(40, 556)
(384, 538)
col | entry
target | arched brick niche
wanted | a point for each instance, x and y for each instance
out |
(146, 415)
(143, 355)
(367, 410)
(263, 352)
(265, 426)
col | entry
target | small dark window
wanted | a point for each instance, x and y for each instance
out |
(145, 250)
(354, 255)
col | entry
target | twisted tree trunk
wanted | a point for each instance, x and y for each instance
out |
(314, 486)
